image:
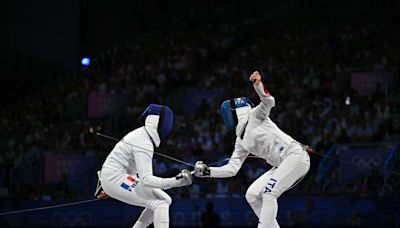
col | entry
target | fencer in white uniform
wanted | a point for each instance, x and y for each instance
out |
(258, 135)
(127, 173)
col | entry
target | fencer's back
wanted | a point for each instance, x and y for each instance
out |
(121, 158)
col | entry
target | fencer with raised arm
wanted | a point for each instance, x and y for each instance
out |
(258, 135)
(127, 173)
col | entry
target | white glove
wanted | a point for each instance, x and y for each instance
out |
(183, 178)
(201, 169)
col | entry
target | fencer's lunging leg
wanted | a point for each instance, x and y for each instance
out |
(292, 168)
(253, 197)
(255, 204)
(145, 219)
(268, 212)
(161, 216)
(254, 192)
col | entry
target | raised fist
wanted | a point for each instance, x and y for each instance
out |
(255, 77)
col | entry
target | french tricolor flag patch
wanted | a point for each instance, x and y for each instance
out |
(129, 183)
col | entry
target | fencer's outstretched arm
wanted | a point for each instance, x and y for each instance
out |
(144, 167)
(239, 155)
(267, 100)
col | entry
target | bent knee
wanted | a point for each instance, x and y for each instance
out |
(163, 204)
(162, 196)
(154, 204)
(269, 196)
(168, 200)
(162, 199)
(252, 196)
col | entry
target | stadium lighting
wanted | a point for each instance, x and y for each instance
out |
(85, 61)
(347, 101)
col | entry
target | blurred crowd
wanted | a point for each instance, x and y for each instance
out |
(305, 65)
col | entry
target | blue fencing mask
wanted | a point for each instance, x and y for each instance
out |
(235, 113)
(165, 120)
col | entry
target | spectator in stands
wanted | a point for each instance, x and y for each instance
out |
(313, 60)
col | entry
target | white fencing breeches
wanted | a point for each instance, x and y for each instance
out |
(129, 189)
(262, 195)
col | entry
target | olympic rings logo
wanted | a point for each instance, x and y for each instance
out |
(366, 161)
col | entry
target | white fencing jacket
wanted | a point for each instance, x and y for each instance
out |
(137, 159)
(262, 138)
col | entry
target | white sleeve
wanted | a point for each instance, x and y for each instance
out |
(144, 167)
(267, 101)
(239, 155)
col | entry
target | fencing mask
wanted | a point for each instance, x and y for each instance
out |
(157, 119)
(235, 113)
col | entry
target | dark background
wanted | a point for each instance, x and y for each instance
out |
(191, 55)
